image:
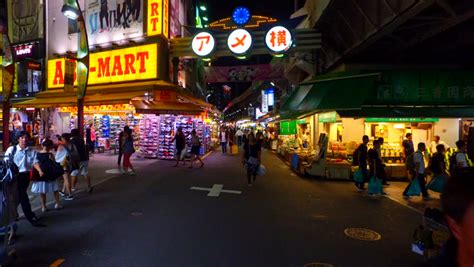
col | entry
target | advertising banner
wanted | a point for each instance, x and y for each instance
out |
(242, 73)
(113, 20)
(158, 18)
(127, 64)
(25, 20)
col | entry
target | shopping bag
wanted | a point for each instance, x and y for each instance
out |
(414, 189)
(359, 176)
(261, 171)
(437, 183)
(375, 186)
(235, 150)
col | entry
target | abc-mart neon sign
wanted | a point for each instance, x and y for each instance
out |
(278, 41)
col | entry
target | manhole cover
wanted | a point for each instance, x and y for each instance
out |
(137, 213)
(362, 234)
(318, 264)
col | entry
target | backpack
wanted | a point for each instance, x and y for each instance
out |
(453, 164)
(52, 170)
(355, 157)
(73, 157)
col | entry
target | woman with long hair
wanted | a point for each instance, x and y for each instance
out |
(63, 158)
(251, 158)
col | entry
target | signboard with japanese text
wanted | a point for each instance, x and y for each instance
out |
(244, 73)
(111, 21)
(264, 102)
(158, 18)
(426, 87)
(127, 64)
(401, 120)
(278, 40)
(203, 44)
(327, 117)
(239, 41)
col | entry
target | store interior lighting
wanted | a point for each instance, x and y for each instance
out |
(203, 8)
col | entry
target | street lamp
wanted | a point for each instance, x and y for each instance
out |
(203, 8)
(72, 10)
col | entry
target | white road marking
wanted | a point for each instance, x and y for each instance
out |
(216, 190)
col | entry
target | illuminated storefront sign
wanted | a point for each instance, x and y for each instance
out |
(264, 102)
(127, 64)
(158, 17)
(203, 44)
(278, 40)
(239, 41)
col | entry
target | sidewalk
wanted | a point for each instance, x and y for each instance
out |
(102, 167)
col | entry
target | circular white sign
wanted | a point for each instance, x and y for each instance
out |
(278, 39)
(239, 41)
(203, 44)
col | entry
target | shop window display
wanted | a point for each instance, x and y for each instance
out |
(151, 131)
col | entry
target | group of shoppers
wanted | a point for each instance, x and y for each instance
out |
(180, 144)
(419, 163)
(45, 167)
(126, 149)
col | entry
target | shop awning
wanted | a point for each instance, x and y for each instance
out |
(409, 112)
(109, 94)
(346, 92)
(175, 108)
(291, 104)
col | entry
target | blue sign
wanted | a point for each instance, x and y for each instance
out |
(270, 92)
(241, 16)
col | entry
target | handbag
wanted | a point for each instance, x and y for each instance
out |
(375, 186)
(253, 161)
(359, 176)
(261, 171)
(34, 175)
(414, 189)
(437, 183)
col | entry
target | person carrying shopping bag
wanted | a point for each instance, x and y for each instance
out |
(251, 158)
(45, 175)
(195, 149)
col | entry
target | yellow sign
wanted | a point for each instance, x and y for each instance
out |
(158, 17)
(127, 64)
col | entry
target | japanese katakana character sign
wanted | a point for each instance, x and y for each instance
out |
(203, 44)
(239, 41)
(278, 40)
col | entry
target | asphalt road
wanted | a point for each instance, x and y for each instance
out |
(154, 219)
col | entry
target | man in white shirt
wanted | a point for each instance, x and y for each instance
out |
(239, 135)
(419, 160)
(25, 158)
(437, 141)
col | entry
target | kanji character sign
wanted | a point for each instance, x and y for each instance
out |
(203, 44)
(278, 39)
(239, 41)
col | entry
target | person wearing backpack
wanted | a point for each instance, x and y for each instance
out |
(63, 157)
(51, 171)
(360, 159)
(25, 159)
(375, 163)
(418, 161)
(408, 147)
(437, 163)
(83, 168)
(459, 159)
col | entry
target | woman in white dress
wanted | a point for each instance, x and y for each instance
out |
(41, 183)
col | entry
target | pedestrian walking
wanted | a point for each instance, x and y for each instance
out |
(376, 167)
(25, 158)
(408, 147)
(83, 169)
(90, 137)
(195, 148)
(128, 151)
(223, 136)
(45, 175)
(251, 158)
(231, 139)
(239, 135)
(382, 174)
(63, 157)
(120, 145)
(437, 164)
(418, 172)
(459, 159)
(180, 145)
(360, 156)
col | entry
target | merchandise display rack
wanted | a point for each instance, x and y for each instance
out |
(166, 134)
(149, 136)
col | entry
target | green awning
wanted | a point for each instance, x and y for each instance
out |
(346, 92)
(291, 104)
(409, 112)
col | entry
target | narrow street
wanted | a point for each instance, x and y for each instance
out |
(154, 219)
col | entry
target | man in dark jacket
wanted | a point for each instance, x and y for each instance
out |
(362, 159)
(83, 170)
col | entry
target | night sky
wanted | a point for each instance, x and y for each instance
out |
(279, 9)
